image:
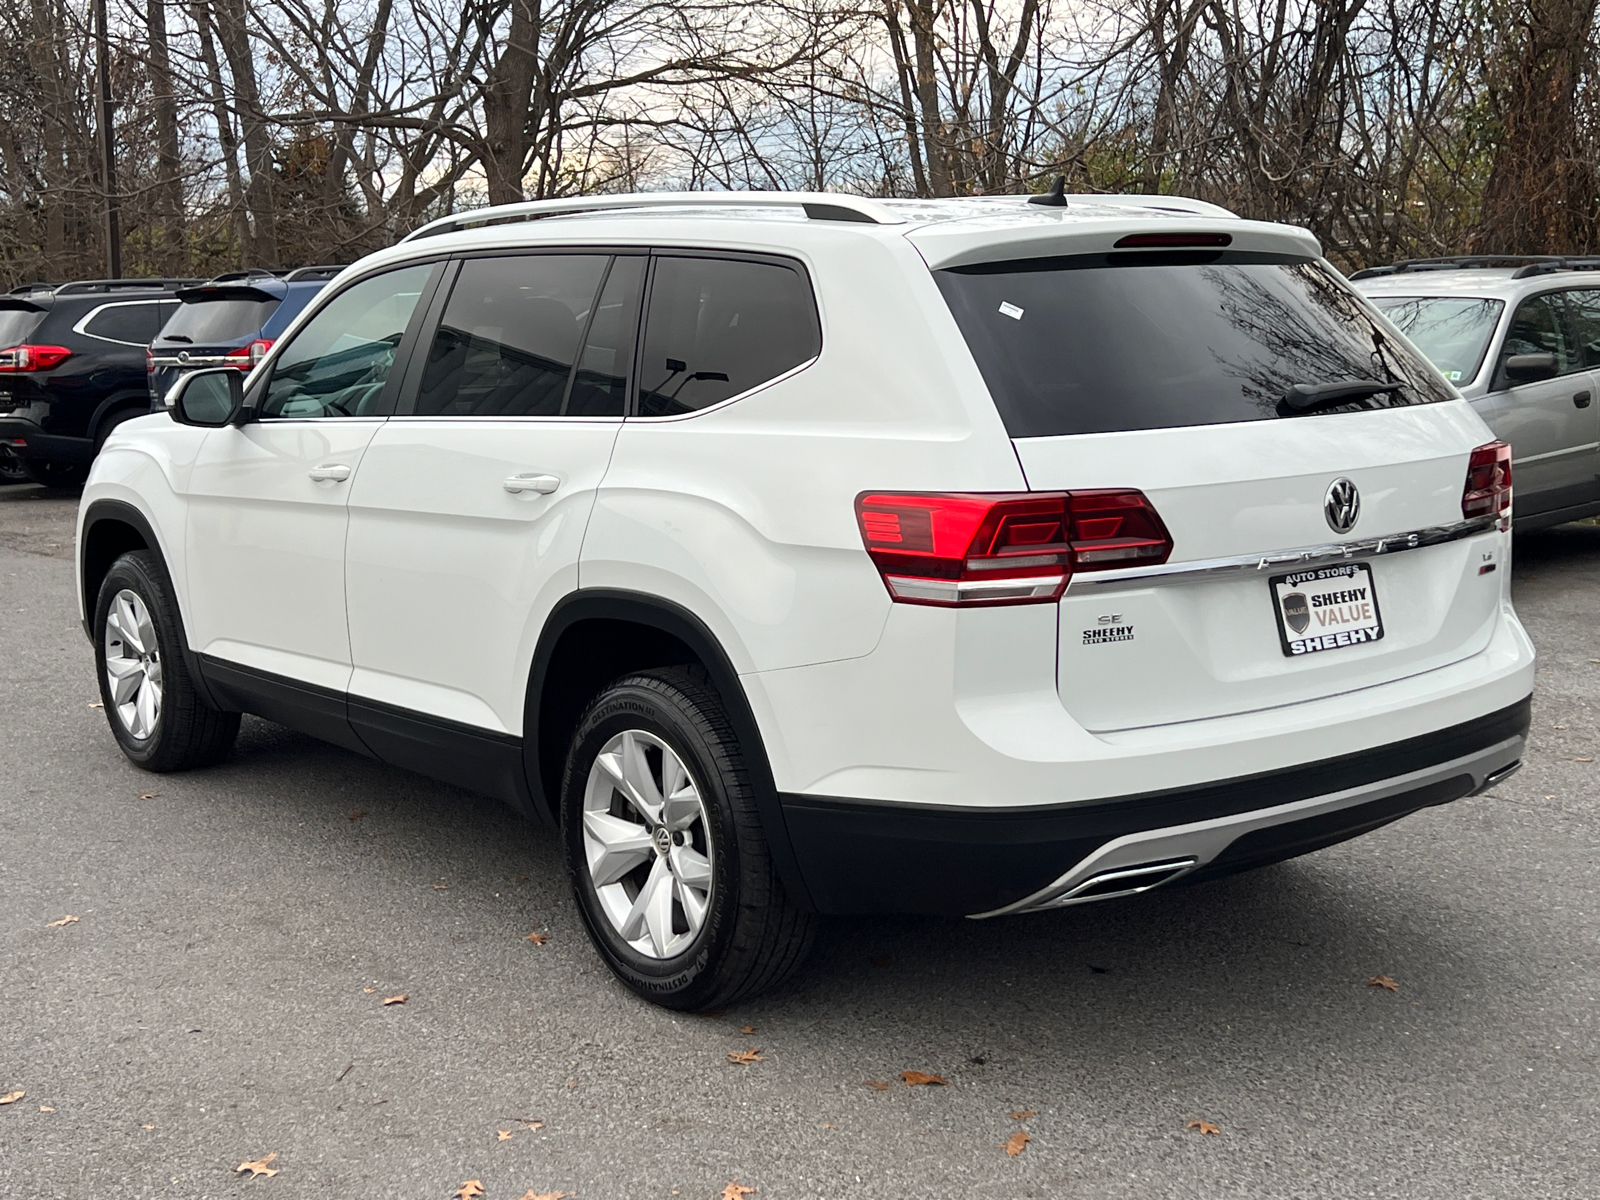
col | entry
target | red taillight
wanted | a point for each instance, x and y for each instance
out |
(18, 359)
(246, 357)
(1010, 548)
(1488, 490)
(149, 361)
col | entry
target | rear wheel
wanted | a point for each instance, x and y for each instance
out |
(155, 711)
(669, 865)
(11, 468)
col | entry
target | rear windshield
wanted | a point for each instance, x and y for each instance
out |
(1110, 342)
(1453, 331)
(212, 321)
(16, 324)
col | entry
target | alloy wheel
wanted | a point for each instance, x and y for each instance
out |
(647, 845)
(133, 664)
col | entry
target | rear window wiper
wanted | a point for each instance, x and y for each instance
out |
(1306, 397)
(176, 337)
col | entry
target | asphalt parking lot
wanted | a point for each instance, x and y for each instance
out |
(220, 996)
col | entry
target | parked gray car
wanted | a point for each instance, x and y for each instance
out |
(1521, 338)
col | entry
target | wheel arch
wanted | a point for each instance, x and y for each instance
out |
(117, 402)
(599, 634)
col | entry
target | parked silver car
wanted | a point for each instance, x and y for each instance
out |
(1521, 338)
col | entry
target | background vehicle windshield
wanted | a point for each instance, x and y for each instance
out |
(1102, 343)
(207, 321)
(16, 324)
(1453, 331)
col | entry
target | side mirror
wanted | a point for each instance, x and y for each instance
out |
(1526, 368)
(207, 398)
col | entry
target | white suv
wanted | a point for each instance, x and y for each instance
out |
(804, 554)
(1520, 337)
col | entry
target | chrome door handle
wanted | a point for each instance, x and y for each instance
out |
(336, 472)
(543, 484)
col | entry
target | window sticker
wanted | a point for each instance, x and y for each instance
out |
(1008, 309)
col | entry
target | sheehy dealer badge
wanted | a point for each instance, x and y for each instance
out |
(1326, 608)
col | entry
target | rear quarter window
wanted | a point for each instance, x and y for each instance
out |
(717, 327)
(132, 324)
(1112, 342)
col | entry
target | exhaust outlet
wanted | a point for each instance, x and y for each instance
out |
(1123, 881)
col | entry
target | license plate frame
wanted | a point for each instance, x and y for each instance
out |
(1358, 620)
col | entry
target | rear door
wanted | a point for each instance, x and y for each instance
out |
(1553, 425)
(470, 508)
(1170, 374)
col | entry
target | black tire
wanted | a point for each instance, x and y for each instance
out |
(186, 731)
(753, 936)
(55, 474)
(11, 469)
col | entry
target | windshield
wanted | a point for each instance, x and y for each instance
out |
(1110, 342)
(211, 321)
(1452, 331)
(16, 324)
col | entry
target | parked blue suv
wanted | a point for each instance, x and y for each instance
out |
(229, 321)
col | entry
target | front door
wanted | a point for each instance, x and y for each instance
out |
(470, 508)
(267, 517)
(1553, 425)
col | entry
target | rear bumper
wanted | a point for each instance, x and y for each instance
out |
(36, 444)
(885, 857)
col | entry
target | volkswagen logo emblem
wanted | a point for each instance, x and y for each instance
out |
(1342, 506)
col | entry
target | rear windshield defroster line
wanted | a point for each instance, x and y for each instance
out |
(1105, 343)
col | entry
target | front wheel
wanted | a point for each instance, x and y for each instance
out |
(157, 714)
(669, 865)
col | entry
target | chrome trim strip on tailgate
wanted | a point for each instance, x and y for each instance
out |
(1130, 578)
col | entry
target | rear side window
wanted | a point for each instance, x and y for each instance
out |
(1583, 306)
(718, 327)
(17, 325)
(1104, 343)
(509, 337)
(135, 324)
(207, 322)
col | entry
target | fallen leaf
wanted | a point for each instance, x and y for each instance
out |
(504, 1135)
(368, 991)
(530, 1194)
(66, 920)
(400, 999)
(876, 1085)
(537, 938)
(921, 1078)
(147, 1127)
(534, 1124)
(1018, 1142)
(1205, 1127)
(98, 704)
(1583, 760)
(440, 886)
(1384, 982)
(357, 813)
(1563, 726)
(258, 1167)
(829, 1125)
(1022, 1114)
(12, 1097)
(747, 1029)
(149, 795)
(469, 1189)
(743, 1058)
(571, 1084)
(45, 1108)
(735, 1190)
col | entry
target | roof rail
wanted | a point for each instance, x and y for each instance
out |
(1527, 264)
(818, 206)
(326, 271)
(88, 286)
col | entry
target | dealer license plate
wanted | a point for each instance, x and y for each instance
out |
(1326, 608)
